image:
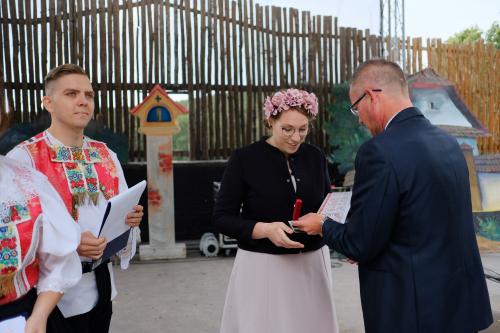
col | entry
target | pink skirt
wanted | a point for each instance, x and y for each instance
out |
(280, 294)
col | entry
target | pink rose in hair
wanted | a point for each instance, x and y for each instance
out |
(284, 100)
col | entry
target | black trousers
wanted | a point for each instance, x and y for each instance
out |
(98, 319)
(24, 307)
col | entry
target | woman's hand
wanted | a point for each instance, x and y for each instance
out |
(35, 324)
(277, 233)
(45, 302)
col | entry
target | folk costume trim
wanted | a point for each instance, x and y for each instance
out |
(78, 174)
(18, 263)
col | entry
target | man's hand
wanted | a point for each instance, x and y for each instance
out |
(277, 233)
(91, 246)
(310, 223)
(134, 218)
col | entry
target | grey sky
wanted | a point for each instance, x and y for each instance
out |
(424, 18)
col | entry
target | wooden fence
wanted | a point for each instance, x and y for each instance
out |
(475, 70)
(226, 56)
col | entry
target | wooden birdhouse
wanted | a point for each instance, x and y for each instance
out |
(158, 113)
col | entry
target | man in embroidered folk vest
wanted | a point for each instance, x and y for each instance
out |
(86, 173)
(38, 242)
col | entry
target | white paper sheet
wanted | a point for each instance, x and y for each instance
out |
(13, 325)
(120, 206)
(336, 205)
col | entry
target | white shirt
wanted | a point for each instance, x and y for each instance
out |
(83, 297)
(390, 120)
(56, 235)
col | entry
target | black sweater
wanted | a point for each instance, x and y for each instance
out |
(257, 181)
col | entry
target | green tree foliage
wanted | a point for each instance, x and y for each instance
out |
(468, 35)
(344, 131)
(493, 35)
(474, 34)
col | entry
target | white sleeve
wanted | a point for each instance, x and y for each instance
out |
(60, 266)
(129, 251)
(20, 154)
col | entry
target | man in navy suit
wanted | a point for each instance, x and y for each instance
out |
(410, 226)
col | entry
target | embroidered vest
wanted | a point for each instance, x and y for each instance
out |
(19, 234)
(78, 174)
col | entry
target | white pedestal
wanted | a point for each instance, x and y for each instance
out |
(162, 243)
(150, 252)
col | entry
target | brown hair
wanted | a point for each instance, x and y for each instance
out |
(278, 115)
(56, 73)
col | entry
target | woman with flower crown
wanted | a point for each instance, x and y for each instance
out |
(281, 280)
(38, 241)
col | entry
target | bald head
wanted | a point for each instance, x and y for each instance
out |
(380, 74)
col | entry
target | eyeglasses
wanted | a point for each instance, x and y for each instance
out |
(290, 131)
(353, 109)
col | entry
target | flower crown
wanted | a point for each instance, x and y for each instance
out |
(290, 98)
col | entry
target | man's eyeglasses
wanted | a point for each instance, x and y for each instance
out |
(290, 131)
(353, 109)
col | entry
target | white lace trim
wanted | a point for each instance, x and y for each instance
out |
(18, 184)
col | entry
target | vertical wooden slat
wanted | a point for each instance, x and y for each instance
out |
(216, 10)
(103, 68)
(195, 65)
(236, 117)
(290, 52)
(118, 115)
(125, 49)
(161, 40)
(331, 59)
(249, 78)
(267, 60)
(183, 42)
(59, 26)
(67, 31)
(206, 105)
(176, 42)
(22, 48)
(187, 61)
(260, 66)
(132, 78)
(156, 34)
(112, 91)
(2, 63)
(286, 50)
(31, 104)
(15, 58)
(279, 47)
(275, 49)
(78, 32)
(167, 57)
(13, 115)
(45, 53)
(336, 46)
(298, 59)
(230, 104)
(223, 70)
(94, 21)
(151, 44)
(86, 39)
(239, 74)
(303, 62)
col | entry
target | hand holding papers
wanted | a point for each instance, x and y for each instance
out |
(113, 225)
(336, 205)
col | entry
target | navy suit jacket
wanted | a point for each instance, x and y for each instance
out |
(410, 228)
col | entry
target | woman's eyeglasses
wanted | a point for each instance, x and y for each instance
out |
(290, 131)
